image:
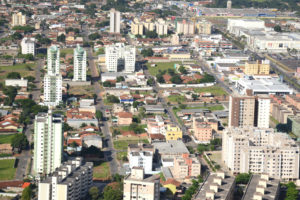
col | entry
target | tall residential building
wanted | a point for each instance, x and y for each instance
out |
(115, 21)
(18, 19)
(204, 27)
(48, 142)
(52, 90)
(249, 111)
(260, 150)
(161, 28)
(139, 186)
(229, 4)
(149, 26)
(119, 57)
(79, 64)
(137, 28)
(72, 180)
(28, 46)
(217, 185)
(261, 67)
(53, 62)
(141, 155)
(185, 28)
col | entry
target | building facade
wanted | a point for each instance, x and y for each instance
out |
(261, 67)
(53, 60)
(119, 57)
(28, 46)
(141, 155)
(115, 21)
(260, 151)
(79, 64)
(18, 19)
(139, 186)
(186, 166)
(249, 111)
(173, 132)
(48, 142)
(52, 90)
(71, 180)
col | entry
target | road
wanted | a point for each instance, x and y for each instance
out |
(109, 153)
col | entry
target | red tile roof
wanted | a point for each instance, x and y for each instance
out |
(125, 115)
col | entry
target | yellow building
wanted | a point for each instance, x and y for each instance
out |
(173, 132)
(18, 19)
(257, 68)
(203, 27)
(137, 28)
(149, 26)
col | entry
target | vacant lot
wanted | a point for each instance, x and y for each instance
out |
(7, 170)
(23, 69)
(67, 51)
(211, 108)
(6, 139)
(123, 144)
(101, 170)
(214, 90)
(160, 66)
(176, 98)
(82, 90)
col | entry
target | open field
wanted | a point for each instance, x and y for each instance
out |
(214, 90)
(101, 170)
(81, 90)
(23, 69)
(211, 108)
(7, 170)
(67, 51)
(6, 139)
(160, 66)
(176, 98)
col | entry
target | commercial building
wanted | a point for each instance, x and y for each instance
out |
(52, 90)
(261, 67)
(119, 57)
(18, 19)
(139, 186)
(249, 111)
(141, 155)
(262, 187)
(218, 185)
(115, 21)
(186, 166)
(48, 142)
(72, 180)
(16, 82)
(79, 64)
(53, 62)
(234, 25)
(262, 86)
(260, 151)
(28, 46)
(173, 132)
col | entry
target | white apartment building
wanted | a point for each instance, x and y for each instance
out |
(156, 126)
(260, 151)
(79, 64)
(71, 180)
(18, 19)
(28, 46)
(119, 57)
(53, 62)
(115, 21)
(263, 112)
(161, 28)
(52, 90)
(185, 28)
(48, 142)
(141, 156)
(137, 186)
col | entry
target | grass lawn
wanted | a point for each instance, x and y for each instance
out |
(176, 98)
(23, 69)
(67, 51)
(126, 128)
(160, 66)
(6, 139)
(214, 90)
(211, 108)
(7, 170)
(82, 90)
(123, 144)
(121, 155)
(101, 170)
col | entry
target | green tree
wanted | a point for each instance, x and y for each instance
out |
(277, 28)
(74, 144)
(160, 78)
(94, 36)
(112, 99)
(61, 38)
(108, 84)
(120, 79)
(11, 92)
(19, 141)
(30, 78)
(110, 193)
(176, 79)
(147, 52)
(242, 178)
(94, 193)
(150, 81)
(67, 127)
(83, 125)
(151, 34)
(27, 193)
(182, 70)
(99, 115)
(13, 75)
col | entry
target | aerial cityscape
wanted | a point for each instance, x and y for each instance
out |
(149, 100)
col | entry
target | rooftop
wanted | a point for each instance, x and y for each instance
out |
(172, 147)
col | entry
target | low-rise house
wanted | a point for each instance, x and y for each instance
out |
(74, 144)
(17, 82)
(8, 125)
(124, 118)
(92, 140)
(6, 149)
(173, 132)
(126, 98)
(76, 118)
